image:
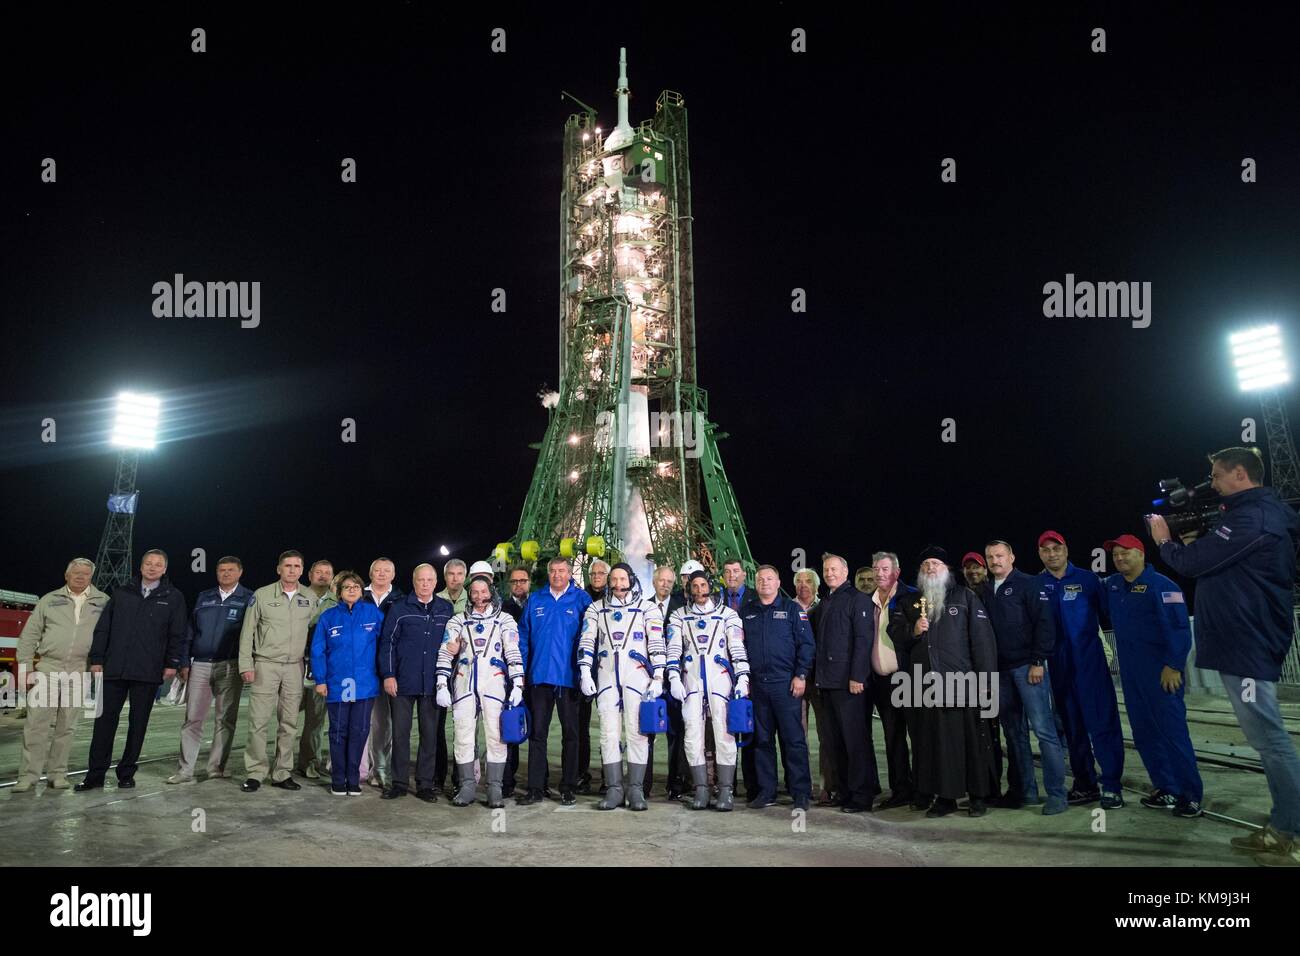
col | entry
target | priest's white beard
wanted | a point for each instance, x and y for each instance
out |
(934, 587)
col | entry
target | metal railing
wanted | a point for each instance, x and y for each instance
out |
(1199, 679)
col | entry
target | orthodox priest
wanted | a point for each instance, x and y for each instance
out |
(947, 639)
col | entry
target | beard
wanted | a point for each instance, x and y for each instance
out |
(934, 588)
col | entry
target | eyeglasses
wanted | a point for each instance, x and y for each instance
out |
(352, 587)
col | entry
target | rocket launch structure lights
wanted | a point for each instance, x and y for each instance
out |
(629, 466)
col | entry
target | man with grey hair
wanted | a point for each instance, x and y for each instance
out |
(886, 660)
(845, 639)
(53, 646)
(807, 583)
(454, 573)
(597, 578)
(378, 755)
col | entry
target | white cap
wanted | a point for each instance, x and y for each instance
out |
(480, 567)
(690, 567)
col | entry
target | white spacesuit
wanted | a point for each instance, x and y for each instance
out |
(622, 640)
(486, 642)
(707, 666)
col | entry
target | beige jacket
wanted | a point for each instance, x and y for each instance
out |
(53, 634)
(276, 628)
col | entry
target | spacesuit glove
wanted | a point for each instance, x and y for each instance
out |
(655, 690)
(516, 694)
(587, 685)
(444, 696)
(742, 686)
(675, 687)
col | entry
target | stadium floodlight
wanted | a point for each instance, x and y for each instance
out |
(136, 423)
(1258, 358)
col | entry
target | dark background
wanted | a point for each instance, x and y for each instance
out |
(816, 170)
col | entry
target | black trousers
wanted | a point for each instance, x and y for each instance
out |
(675, 740)
(116, 693)
(430, 740)
(508, 781)
(893, 721)
(854, 752)
(542, 699)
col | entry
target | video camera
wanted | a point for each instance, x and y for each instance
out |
(1187, 510)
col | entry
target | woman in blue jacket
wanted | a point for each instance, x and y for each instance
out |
(344, 658)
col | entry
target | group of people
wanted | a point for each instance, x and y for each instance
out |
(952, 666)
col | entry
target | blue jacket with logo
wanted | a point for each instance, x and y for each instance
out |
(1244, 571)
(1022, 622)
(345, 647)
(1150, 618)
(778, 639)
(1078, 603)
(408, 649)
(213, 632)
(548, 636)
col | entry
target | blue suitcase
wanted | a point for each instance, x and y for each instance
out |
(514, 725)
(740, 716)
(654, 716)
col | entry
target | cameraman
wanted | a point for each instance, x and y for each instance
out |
(1245, 572)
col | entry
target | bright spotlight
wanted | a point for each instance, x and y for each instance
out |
(136, 422)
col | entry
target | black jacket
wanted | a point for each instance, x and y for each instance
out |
(1022, 619)
(842, 624)
(138, 637)
(960, 638)
(510, 607)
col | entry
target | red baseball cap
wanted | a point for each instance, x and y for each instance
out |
(973, 556)
(1050, 536)
(1125, 541)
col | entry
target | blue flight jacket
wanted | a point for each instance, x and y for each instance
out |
(1244, 573)
(408, 648)
(213, 632)
(1078, 603)
(548, 636)
(778, 639)
(1150, 615)
(1019, 613)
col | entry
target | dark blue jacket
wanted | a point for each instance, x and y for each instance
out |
(1244, 571)
(1078, 604)
(345, 648)
(213, 633)
(1150, 619)
(408, 649)
(845, 635)
(548, 636)
(392, 597)
(1022, 620)
(778, 639)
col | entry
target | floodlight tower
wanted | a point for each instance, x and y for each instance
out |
(629, 468)
(135, 426)
(1261, 366)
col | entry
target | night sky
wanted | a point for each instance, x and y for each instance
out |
(818, 170)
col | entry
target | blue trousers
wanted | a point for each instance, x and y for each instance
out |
(1158, 720)
(778, 713)
(1088, 713)
(1260, 717)
(1023, 705)
(349, 728)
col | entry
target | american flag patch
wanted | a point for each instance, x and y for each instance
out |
(1172, 597)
